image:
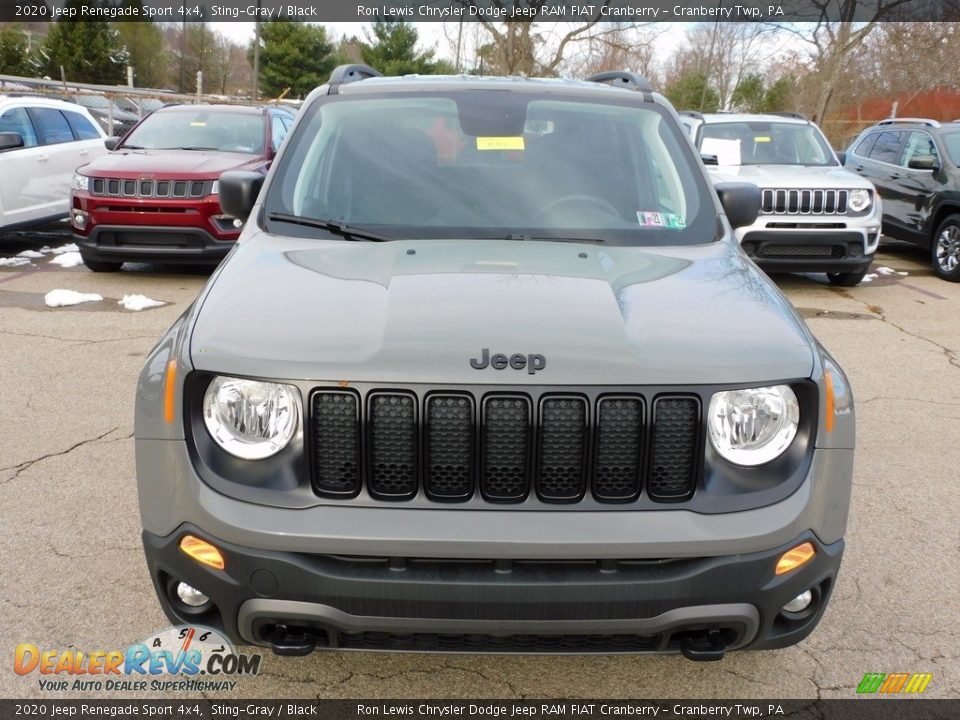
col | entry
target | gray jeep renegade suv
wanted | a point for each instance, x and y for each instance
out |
(487, 371)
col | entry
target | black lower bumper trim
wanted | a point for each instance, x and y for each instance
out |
(137, 243)
(706, 605)
(799, 251)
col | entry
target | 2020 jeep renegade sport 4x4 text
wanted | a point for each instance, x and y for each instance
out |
(488, 371)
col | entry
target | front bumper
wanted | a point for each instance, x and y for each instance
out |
(138, 243)
(495, 605)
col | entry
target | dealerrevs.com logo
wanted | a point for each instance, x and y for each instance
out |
(182, 658)
(894, 683)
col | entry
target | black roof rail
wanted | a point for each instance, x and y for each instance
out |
(351, 73)
(623, 78)
(910, 121)
(796, 115)
(691, 113)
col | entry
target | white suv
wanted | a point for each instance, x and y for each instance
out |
(816, 216)
(42, 142)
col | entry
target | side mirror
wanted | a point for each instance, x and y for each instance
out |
(740, 201)
(111, 143)
(238, 192)
(842, 157)
(923, 162)
(709, 159)
(10, 141)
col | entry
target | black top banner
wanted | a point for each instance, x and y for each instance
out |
(633, 11)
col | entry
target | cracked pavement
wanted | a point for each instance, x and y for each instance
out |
(73, 576)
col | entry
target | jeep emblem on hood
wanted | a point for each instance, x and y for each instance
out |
(518, 361)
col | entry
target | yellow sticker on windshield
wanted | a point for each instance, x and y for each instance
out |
(500, 143)
(198, 123)
(762, 138)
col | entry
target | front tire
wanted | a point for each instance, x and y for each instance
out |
(946, 249)
(101, 266)
(848, 279)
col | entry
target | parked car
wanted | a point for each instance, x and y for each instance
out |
(816, 215)
(115, 115)
(155, 198)
(915, 164)
(42, 142)
(487, 371)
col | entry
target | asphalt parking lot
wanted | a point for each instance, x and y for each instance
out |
(73, 576)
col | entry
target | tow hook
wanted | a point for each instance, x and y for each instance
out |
(292, 641)
(705, 646)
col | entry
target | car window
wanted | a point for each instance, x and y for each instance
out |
(82, 128)
(16, 120)
(200, 129)
(866, 145)
(485, 164)
(278, 132)
(952, 142)
(52, 126)
(765, 143)
(887, 147)
(919, 145)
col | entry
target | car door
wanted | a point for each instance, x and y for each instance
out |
(23, 197)
(877, 158)
(917, 187)
(61, 156)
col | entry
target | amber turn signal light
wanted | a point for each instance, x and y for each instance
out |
(169, 388)
(795, 557)
(202, 551)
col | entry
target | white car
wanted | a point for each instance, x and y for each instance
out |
(816, 216)
(42, 142)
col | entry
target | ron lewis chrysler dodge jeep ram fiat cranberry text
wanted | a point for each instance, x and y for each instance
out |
(489, 372)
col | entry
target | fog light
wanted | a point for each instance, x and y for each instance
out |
(237, 223)
(800, 603)
(79, 219)
(189, 595)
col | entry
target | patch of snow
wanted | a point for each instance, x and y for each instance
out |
(72, 247)
(30, 254)
(902, 272)
(60, 298)
(67, 260)
(884, 270)
(869, 277)
(14, 262)
(138, 302)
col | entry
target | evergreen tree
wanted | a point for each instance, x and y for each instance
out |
(147, 52)
(779, 96)
(749, 94)
(14, 58)
(88, 51)
(293, 55)
(692, 91)
(392, 49)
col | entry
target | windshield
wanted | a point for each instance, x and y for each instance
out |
(952, 141)
(492, 164)
(765, 143)
(200, 129)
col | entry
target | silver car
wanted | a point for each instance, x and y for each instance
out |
(816, 216)
(487, 371)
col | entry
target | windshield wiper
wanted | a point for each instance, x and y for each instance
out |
(193, 148)
(332, 226)
(564, 238)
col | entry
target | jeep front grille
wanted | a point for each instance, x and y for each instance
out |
(504, 447)
(778, 201)
(156, 189)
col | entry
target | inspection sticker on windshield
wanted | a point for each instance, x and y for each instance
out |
(500, 143)
(762, 138)
(198, 123)
(658, 219)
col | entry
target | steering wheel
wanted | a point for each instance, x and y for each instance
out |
(596, 202)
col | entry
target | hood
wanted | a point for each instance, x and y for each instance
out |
(419, 311)
(190, 164)
(790, 176)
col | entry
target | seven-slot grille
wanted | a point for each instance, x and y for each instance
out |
(776, 201)
(505, 447)
(162, 189)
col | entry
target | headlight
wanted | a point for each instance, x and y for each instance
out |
(215, 188)
(858, 200)
(250, 419)
(80, 182)
(753, 426)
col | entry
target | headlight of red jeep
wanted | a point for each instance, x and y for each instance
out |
(250, 419)
(755, 425)
(80, 182)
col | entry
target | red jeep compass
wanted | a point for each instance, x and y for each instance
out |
(155, 197)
